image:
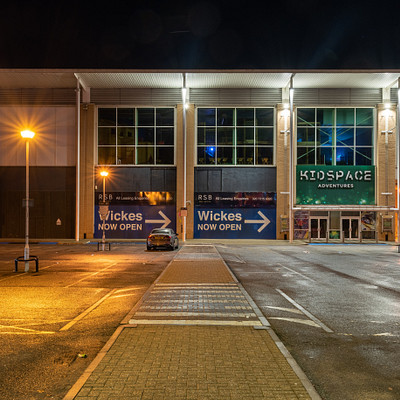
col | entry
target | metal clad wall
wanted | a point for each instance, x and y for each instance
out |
(204, 97)
(235, 179)
(235, 97)
(53, 192)
(266, 96)
(38, 96)
(215, 180)
(156, 97)
(345, 97)
(10, 96)
(366, 96)
(105, 96)
(393, 95)
(55, 140)
(139, 179)
(334, 96)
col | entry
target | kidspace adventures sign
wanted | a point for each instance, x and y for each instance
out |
(334, 184)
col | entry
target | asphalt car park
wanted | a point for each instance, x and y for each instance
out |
(335, 308)
(55, 321)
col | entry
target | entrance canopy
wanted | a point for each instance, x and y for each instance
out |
(58, 78)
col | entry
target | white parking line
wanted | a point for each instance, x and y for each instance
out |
(18, 330)
(304, 311)
(89, 276)
(87, 311)
(25, 273)
(193, 322)
(297, 321)
(295, 272)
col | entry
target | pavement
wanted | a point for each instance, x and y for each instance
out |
(195, 334)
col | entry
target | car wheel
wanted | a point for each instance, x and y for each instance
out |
(149, 247)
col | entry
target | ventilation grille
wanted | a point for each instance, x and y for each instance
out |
(348, 97)
(393, 95)
(156, 97)
(38, 96)
(235, 97)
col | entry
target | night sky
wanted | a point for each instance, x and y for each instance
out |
(220, 34)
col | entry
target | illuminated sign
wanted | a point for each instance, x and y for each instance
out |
(250, 215)
(335, 184)
(134, 215)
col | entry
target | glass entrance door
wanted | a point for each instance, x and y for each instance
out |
(319, 228)
(350, 228)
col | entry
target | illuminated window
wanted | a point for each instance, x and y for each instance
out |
(136, 136)
(335, 136)
(235, 136)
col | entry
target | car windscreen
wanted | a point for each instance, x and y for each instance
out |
(164, 231)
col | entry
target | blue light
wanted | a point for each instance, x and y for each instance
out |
(210, 150)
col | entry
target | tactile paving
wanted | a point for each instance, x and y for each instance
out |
(199, 290)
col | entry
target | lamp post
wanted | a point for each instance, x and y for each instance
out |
(27, 135)
(104, 174)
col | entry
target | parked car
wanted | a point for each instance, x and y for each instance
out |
(165, 237)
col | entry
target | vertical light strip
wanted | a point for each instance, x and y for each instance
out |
(78, 156)
(184, 97)
(387, 111)
(291, 163)
(398, 162)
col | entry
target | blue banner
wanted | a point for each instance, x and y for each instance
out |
(239, 215)
(231, 223)
(134, 222)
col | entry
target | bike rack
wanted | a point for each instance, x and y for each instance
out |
(22, 259)
(105, 245)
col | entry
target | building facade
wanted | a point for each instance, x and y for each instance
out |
(295, 155)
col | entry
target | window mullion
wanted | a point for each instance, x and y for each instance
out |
(334, 133)
(315, 135)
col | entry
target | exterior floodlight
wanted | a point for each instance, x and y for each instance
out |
(27, 134)
(104, 173)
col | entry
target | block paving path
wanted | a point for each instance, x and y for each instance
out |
(195, 334)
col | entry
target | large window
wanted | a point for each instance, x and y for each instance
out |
(136, 136)
(335, 136)
(235, 136)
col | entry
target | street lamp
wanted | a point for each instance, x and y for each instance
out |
(104, 212)
(27, 135)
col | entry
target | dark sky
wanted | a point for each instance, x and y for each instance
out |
(221, 34)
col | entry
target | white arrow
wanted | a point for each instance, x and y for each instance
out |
(264, 221)
(166, 220)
